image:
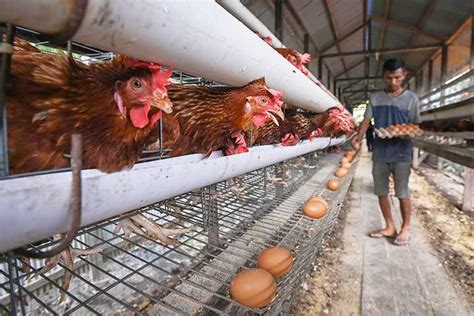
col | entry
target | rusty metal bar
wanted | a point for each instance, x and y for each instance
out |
(385, 51)
(6, 51)
(74, 206)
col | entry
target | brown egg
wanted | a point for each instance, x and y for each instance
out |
(276, 260)
(341, 172)
(344, 159)
(333, 185)
(315, 209)
(318, 199)
(346, 165)
(253, 288)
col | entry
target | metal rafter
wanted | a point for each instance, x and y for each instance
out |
(421, 23)
(360, 78)
(385, 50)
(409, 27)
(388, 8)
(342, 38)
(350, 68)
(327, 9)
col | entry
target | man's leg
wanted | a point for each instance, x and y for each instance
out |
(401, 177)
(381, 174)
(389, 230)
(405, 206)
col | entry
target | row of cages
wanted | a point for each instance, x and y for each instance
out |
(223, 229)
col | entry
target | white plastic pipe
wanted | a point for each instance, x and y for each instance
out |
(36, 207)
(244, 15)
(196, 36)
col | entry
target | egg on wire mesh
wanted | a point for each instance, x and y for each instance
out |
(276, 260)
(253, 288)
(315, 208)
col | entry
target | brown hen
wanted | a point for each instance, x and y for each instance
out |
(216, 118)
(114, 105)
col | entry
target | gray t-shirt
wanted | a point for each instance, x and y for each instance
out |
(387, 111)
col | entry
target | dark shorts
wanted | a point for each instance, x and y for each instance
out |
(401, 172)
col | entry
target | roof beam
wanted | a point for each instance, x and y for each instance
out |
(360, 78)
(385, 50)
(388, 7)
(342, 38)
(300, 23)
(409, 27)
(327, 9)
(428, 11)
(350, 68)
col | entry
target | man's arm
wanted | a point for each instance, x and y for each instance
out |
(364, 125)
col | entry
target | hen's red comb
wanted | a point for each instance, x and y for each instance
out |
(277, 95)
(160, 79)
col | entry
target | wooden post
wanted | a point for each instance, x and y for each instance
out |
(444, 70)
(439, 163)
(416, 156)
(320, 68)
(279, 19)
(468, 198)
(306, 42)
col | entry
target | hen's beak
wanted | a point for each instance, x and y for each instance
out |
(276, 112)
(163, 104)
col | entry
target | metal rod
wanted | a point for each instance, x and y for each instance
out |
(6, 54)
(385, 51)
(279, 19)
(359, 78)
(74, 207)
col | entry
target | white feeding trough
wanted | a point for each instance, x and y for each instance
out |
(195, 36)
(36, 207)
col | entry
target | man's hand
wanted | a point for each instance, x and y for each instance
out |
(355, 143)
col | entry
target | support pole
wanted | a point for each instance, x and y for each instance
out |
(279, 19)
(320, 68)
(468, 197)
(306, 42)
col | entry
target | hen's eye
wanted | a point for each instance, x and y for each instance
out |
(136, 84)
(263, 100)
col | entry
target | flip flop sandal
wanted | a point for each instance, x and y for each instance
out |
(378, 234)
(403, 243)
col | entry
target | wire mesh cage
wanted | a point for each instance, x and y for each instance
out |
(230, 224)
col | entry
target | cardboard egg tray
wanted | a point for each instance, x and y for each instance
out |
(391, 131)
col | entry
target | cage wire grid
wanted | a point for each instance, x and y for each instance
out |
(230, 228)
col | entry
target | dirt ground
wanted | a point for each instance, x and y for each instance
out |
(450, 232)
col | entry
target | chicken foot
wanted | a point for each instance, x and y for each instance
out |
(66, 257)
(140, 225)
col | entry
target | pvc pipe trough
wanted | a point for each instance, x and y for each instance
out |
(244, 15)
(198, 37)
(36, 207)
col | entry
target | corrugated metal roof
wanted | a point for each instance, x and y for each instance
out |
(437, 20)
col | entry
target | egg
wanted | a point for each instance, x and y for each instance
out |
(341, 172)
(315, 209)
(346, 165)
(333, 185)
(253, 288)
(318, 199)
(344, 159)
(276, 260)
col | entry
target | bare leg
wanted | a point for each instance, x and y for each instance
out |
(405, 207)
(389, 230)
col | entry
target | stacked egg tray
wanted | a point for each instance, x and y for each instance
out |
(407, 130)
(232, 223)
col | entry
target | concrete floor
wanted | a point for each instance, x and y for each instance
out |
(385, 279)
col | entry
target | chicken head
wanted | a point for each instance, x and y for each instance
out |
(143, 95)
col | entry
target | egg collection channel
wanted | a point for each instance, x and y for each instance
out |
(256, 287)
